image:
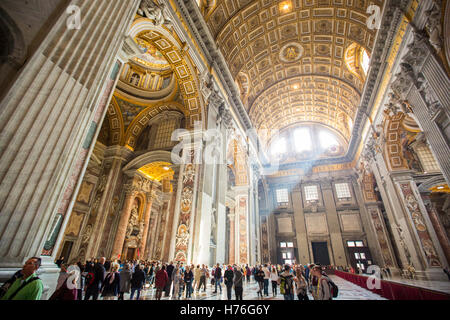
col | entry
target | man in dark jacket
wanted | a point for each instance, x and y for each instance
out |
(218, 278)
(228, 278)
(137, 282)
(169, 271)
(99, 275)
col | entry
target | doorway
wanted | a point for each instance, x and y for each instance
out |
(130, 253)
(67, 248)
(320, 253)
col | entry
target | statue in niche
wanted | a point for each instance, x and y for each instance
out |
(155, 12)
(433, 25)
(428, 94)
(133, 221)
(86, 234)
(213, 226)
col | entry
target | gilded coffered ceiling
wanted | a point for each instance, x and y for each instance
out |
(289, 58)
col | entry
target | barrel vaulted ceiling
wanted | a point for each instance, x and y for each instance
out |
(292, 60)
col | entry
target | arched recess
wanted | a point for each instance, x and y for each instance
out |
(147, 158)
(144, 31)
(141, 120)
(399, 130)
(115, 122)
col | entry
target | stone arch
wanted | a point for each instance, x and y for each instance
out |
(396, 156)
(141, 120)
(143, 30)
(14, 49)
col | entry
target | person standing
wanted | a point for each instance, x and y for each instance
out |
(238, 283)
(322, 290)
(203, 276)
(197, 276)
(218, 278)
(125, 281)
(274, 279)
(248, 273)
(266, 280)
(228, 276)
(300, 285)
(177, 278)
(161, 279)
(259, 278)
(286, 281)
(96, 281)
(169, 271)
(137, 282)
(111, 285)
(25, 285)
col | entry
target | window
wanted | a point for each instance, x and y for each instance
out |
(287, 261)
(283, 244)
(290, 244)
(427, 159)
(342, 190)
(289, 255)
(284, 255)
(327, 140)
(278, 147)
(350, 243)
(365, 61)
(302, 138)
(282, 196)
(363, 256)
(357, 256)
(311, 193)
(359, 243)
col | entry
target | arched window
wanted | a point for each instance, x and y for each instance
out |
(365, 60)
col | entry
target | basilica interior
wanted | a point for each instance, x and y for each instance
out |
(226, 131)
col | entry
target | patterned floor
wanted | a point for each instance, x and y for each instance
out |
(347, 291)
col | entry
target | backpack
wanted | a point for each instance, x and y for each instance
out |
(90, 277)
(334, 288)
(286, 284)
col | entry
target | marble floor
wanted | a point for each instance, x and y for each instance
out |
(347, 291)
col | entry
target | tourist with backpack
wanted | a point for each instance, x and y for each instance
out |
(25, 285)
(95, 279)
(137, 282)
(286, 281)
(324, 288)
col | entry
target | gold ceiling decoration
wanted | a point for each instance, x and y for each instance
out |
(440, 189)
(157, 171)
(276, 43)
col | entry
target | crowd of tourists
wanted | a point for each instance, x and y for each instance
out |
(111, 280)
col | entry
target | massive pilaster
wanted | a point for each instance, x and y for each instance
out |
(338, 251)
(300, 226)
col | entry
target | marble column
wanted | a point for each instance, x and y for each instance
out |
(300, 226)
(334, 228)
(116, 156)
(147, 212)
(437, 225)
(123, 223)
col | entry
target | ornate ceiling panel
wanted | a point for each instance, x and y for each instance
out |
(273, 48)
